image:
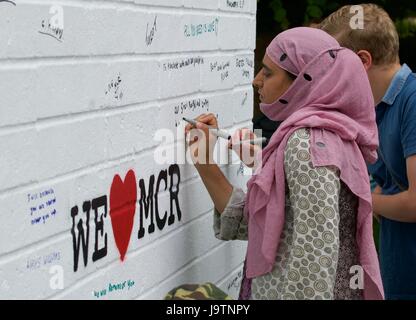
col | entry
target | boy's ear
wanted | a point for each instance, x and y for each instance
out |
(366, 59)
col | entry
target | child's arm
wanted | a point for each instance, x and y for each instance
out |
(402, 206)
(219, 188)
(202, 140)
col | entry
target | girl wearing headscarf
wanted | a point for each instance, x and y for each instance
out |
(307, 214)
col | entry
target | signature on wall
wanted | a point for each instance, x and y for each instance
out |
(150, 35)
(114, 88)
(49, 30)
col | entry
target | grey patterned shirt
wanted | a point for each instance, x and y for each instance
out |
(317, 246)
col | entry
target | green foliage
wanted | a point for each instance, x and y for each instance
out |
(313, 10)
(279, 13)
(406, 27)
(376, 233)
(292, 13)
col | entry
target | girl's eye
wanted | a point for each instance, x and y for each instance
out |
(266, 73)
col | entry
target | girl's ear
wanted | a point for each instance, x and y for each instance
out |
(366, 59)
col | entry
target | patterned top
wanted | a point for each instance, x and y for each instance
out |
(317, 246)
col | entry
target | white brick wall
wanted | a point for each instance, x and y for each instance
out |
(82, 104)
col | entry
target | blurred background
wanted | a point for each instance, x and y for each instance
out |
(275, 16)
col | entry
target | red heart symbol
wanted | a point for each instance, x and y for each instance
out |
(123, 196)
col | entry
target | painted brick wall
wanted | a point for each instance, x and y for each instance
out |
(86, 212)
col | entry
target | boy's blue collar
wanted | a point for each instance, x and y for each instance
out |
(396, 85)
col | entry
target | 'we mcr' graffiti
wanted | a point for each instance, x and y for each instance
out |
(123, 198)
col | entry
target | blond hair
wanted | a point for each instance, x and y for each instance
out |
(378, 36)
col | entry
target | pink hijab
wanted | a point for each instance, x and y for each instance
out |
(331, 96)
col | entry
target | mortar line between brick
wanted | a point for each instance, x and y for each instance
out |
(44, 242)
(91, 168)
(108, 111)
(141, 7)
(225, 278)
(179, 271)
(105, 58)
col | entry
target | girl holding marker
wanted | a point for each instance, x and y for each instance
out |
(307, 214)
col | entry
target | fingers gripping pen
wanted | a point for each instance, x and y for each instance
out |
(215, 131)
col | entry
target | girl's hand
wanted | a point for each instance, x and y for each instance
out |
(201, 141)
(377, 191)
(245, 151)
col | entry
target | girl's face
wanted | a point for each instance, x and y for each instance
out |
(272, 81)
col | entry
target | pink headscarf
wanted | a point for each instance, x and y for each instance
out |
(331, 96)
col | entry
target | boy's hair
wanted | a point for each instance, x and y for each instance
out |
(379, 36)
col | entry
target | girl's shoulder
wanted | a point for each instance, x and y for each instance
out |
(299, 138)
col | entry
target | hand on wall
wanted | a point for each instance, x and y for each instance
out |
(200, 140)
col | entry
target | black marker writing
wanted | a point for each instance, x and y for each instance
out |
(245, 99)
(190, 106)
(8, 1)
(179, 64)
(150, 36)
(114, 88)
(235, 282)
(235, 4)
(246, 65)
(222, 68)
(49, 30)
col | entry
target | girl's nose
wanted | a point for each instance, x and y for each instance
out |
(258, 81)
